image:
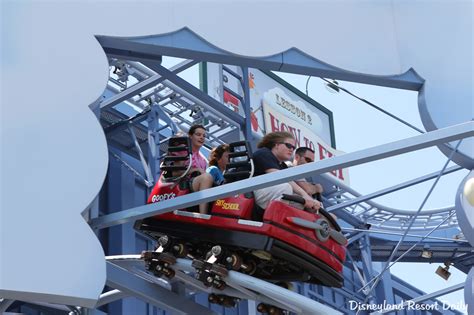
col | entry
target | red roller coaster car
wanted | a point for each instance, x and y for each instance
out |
(283, 243)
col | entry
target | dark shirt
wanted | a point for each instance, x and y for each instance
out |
(264, 160)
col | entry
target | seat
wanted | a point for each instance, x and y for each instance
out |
(240, 167)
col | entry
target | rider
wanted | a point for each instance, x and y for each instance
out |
(197, 135)
(305, 155)
(218, 160)
(274, 149)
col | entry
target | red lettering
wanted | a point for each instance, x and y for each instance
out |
(275, 123)
(305, 141)
(297, 134)
(323, 154)
(341, 174)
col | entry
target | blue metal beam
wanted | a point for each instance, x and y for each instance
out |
(142, 86)
(395, 250)
(439, 293)
(283, 176)
(355, 234)
(214, 106)
(464, 262)
(184, 43)
(5, 304)
(247, 110)
(145, 164)
(366, 261)
(134, 90)
(123, 124)
(442, 251)
(126, 282)
(392, 189)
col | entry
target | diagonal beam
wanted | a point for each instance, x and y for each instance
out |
(392, 189)
(142, 86)
(123, 124)
(412, 220)
(5, 304)
(198, 96)
(384, 232)
(269, 292)
(128, 283)
(310, 169)
(145, 165)
(134, 90)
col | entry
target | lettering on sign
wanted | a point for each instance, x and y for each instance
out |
(304, 137)
(292, 108)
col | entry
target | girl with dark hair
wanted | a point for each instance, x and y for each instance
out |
(218, 161)
(197, 135)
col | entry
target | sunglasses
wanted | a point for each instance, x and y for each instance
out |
(307, 159)
(288, 145)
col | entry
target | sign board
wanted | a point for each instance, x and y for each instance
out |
(275, 106)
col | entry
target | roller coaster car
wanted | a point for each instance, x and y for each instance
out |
(283, 243)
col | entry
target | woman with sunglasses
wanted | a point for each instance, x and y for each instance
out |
(273, 150)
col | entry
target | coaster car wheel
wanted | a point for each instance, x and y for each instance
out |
(323, 233)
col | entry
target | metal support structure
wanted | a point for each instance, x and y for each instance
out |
(134, 90)
(389, 190)
(306, 170)
(121, 239)
(110, 296)
(436, 294)
(381, 216)
(145, 165)
(152, 293)
(142, 86)
(154, 142)
(5, 304)
(247, 110)
(261, 288)
(388, 265)
(366, 261)
(123, 124)
(355, 236)
(132, 169)
(464, 262)
(292, 60)
(203, 99)
(356, 268)
(163, 116)
(383, 291)
(372, 231)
